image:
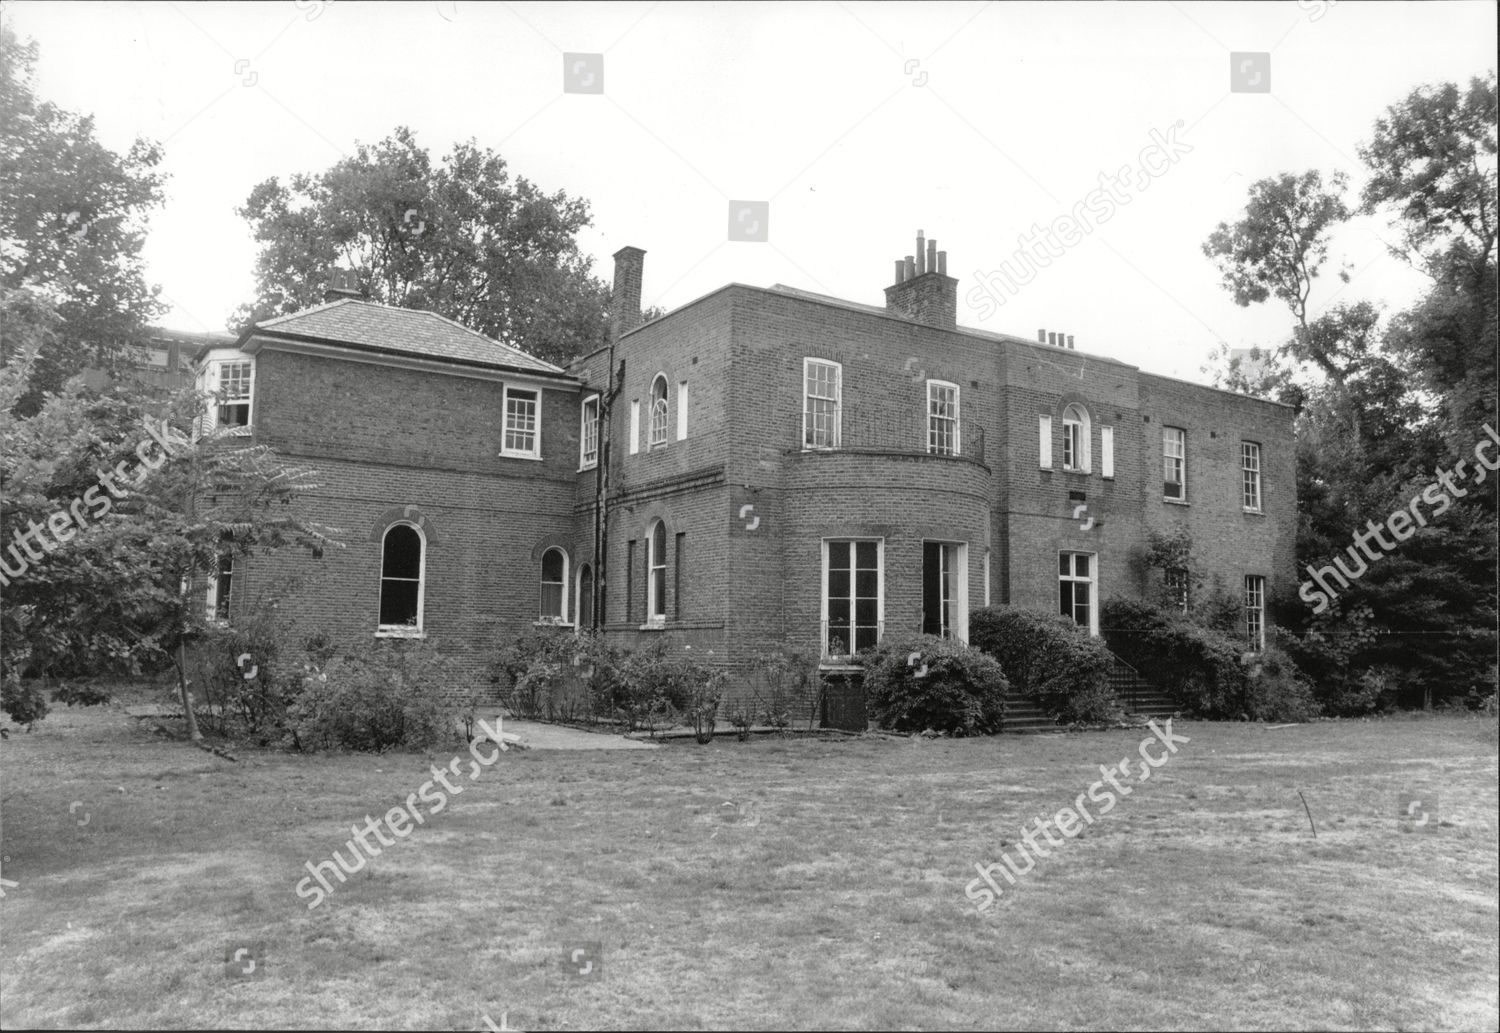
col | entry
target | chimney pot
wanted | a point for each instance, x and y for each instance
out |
(1041, 336)
(932, 256)
(942, 263)
(921, 254)
(916, 295)
(911, 267)
(900, 271)
(1052, 338)
(1070, 340)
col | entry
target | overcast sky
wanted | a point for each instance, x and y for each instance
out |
(857, 123)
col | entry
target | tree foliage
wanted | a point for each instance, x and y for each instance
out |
(459, 237)
(72, 225)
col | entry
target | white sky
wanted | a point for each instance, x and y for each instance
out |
(815, 108)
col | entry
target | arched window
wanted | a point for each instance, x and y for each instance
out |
(585, 596)
(658, 412)
(554, 586)
(656, 574)
(1076, 438)
(401, 568)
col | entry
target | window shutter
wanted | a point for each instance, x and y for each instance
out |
(682, 410)
(1044, 445)
(635, 427)
(1107, 450)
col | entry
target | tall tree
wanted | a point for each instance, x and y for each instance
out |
(460, 238)
(1433, 165)
(72, 224)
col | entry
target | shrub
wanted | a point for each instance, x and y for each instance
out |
(658, 686)
(780, 681)
(1200, 667)
(1276, 689)
(1050, 659)
(244, 677)
(924, 682)
(23, 702)
(392, 697)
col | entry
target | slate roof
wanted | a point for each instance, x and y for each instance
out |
(371, 326)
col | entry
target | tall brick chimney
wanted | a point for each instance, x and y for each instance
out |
(923, 289)
(625, 299)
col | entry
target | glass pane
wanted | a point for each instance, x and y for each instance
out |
(838, 584)
(865, 553)
(866, 638)
(552, 565)
(866, 612)
(1081, 564)
(403, 553)
(866, 584)
(1062, 564)
(398, 602)
(552, 600)
(838, 555)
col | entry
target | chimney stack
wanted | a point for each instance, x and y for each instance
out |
(923, 290)
(1041, 337)
(625, 298)
(1070, 340)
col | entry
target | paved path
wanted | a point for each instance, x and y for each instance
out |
(540, 736)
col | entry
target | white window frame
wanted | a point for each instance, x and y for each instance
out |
(657, 425)
(1076, 439)
(879, 593)
(1255, 611)
(837, 400)
(656, 563)
(1092, 581)
(535, 452)
(211, 608)
(561, 617)
(682, 409)
(1044, 441)
(404, 630)
(588, 433)
(1168, 458)
(958, 628)
(1250, 476)
(210, 380)
(938, 421)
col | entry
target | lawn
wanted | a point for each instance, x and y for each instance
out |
(776, 884)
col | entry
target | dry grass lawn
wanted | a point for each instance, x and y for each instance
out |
(778, 884)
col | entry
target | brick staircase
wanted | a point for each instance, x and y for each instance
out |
(1139, 697)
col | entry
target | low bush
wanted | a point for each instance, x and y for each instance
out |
(244, 677)
(1276, 689)
(1198, 666)
(923, 682)
(1050, 659)
(397, 696)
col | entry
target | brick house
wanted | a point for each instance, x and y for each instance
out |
(762, 466)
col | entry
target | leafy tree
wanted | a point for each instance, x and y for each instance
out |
(460, 238)
(103, 550)
(72, 224)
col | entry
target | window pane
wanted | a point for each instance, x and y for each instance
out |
(398, 602)
(838, 584)
(866, 553)
(586, 597)
(1081, 564)
(403, 553)
(867, 583)
(552, 599)
(1063, 564)
(838, 555)
(552, 565)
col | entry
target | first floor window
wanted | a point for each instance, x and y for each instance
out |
(1174, 464)
(218, 588)
(1075, 589)
(1250, 475)
(554, 585)
(233, 387)
(588, 433)
(586, 596)
(1255, 611)
(852, 596)
(658, 412)
(820, 403)
(944, 579)
(942, 418)
(656, 574)
(401, 579)
(521, 424)
(1075, 438)
(1176, 580)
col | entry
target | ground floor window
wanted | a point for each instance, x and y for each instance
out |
(1255, 611)
(1176, 580)
(586, 596)
(218, 588)
(853, 604)
(1075, 589)
(944, 599)
(554, 604)
(401, 580)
